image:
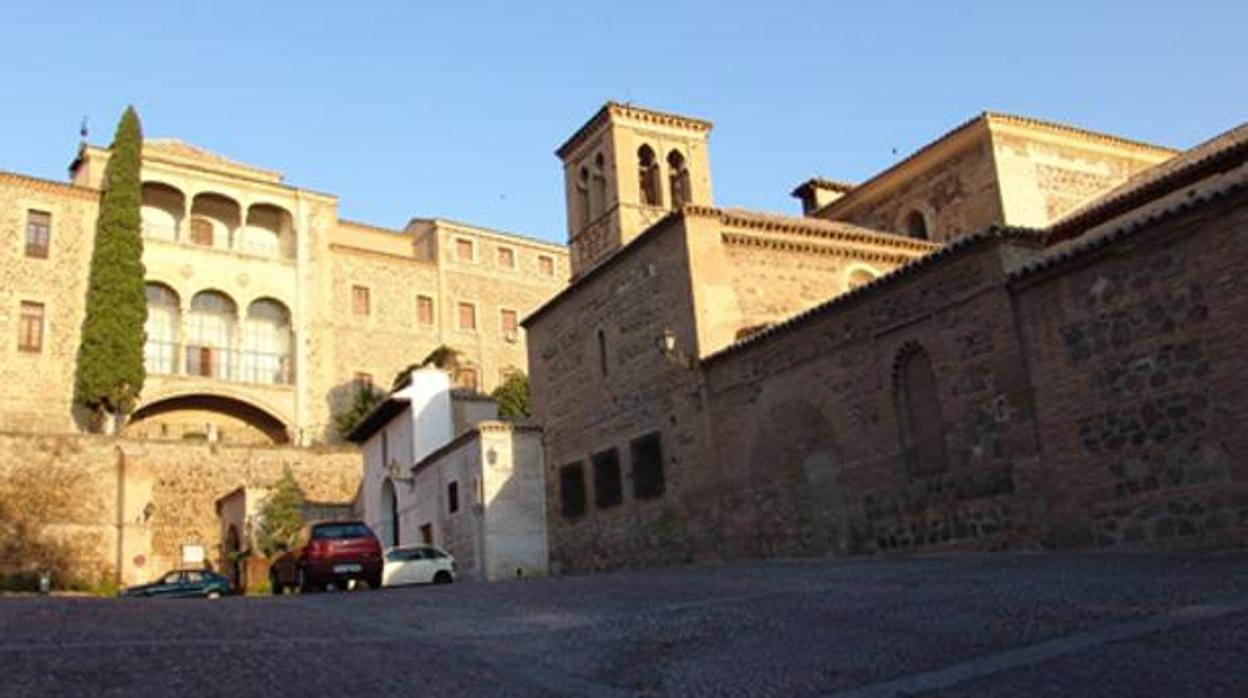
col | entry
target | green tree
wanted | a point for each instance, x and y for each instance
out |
(366, 398)
(281, 517)
(110, 357)
(443, 357)
(512, 396)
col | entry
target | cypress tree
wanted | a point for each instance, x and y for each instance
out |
(110, 358)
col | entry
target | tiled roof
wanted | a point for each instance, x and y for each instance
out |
(1077, 247)
(1214, 155)
(820, 183)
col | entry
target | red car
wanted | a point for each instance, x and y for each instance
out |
(333, 553)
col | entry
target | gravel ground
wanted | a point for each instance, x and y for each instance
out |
(949, 625)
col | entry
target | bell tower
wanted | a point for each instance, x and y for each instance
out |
(623, 171)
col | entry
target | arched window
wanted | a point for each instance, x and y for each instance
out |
(210, 330)
(215, 220)
(916, 225)
(678, 176)
(162, 211)
(268, 232)
(164, 318)
(388, 527)
(582, 215)
(648, 176)
(267, 336)
(917, 404)
(598, 188)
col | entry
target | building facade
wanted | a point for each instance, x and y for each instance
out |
(726, 384)
(266, 311)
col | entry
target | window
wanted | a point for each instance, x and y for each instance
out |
(916, 397)
(363, 381)
(646, 454)
(467, 316)
(201, 231)
(467, 377)
(385, 448)
(679, 179)
(452, 497)
(424, 310)
(30, 327)
(465, 250)
(360, 301)
(582, 199)
(860, 276)
(38, 233)
(602, 352)
(648, 176)
(916, 225)
(598, 188)
(607, 491)
(509, 322)
(506, 258)
(546, 265)
(572, 490)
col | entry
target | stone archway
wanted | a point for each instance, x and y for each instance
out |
(207, 417)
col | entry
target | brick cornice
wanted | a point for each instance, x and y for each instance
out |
(628, 111)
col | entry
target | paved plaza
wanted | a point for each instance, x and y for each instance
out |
(949, 625)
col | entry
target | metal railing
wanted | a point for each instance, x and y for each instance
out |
(259, 248)
(219, 363)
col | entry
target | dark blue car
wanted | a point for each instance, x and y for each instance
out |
(184, 584)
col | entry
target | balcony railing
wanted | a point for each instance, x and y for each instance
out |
(219, 363)
(259, 248)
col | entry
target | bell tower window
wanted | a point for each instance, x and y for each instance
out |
(679, 179)
(648, 176)
(598, 188)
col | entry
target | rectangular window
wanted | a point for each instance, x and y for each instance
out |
(509, 323)
(467, 316)
(30, 327)
(572, 490)
(360, 302)
(452, 497)
(607, 490)
(38, 233)
(465, 250)
(424, 310)
(546, 265)
(646, 453)
(506, 258)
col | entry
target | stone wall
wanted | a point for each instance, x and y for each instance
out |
(1140, 372)
(151, 498)
(39, 386)
(1092, 403)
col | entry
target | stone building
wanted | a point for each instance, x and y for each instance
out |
(266, 310)
(906, 367)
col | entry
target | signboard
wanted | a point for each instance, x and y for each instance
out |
(192, 554)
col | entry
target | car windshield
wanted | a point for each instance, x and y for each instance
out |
(171, 578)
(343, 530)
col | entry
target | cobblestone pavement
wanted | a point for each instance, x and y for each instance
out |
(950, 625)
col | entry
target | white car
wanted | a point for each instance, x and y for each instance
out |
(417, 564)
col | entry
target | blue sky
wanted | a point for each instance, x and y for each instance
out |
(424, 109)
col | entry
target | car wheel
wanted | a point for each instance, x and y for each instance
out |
(275, 586)
(442, 577)
(374, 583)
